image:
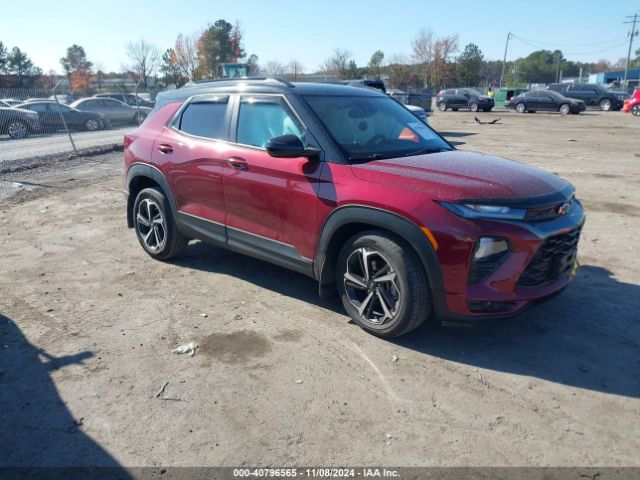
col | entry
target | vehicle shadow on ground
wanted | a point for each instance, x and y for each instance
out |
(587, 337)
(456, 143)
(201, 256)
(37, 430)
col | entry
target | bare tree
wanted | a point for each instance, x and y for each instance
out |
(423, 47)
(273, 68)
(295, 68)
(338, 63)
(187, 55)
(145, 59)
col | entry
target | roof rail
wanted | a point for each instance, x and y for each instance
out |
(279, 80)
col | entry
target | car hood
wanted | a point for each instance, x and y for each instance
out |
(460, 175)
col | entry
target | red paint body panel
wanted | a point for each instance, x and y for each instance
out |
(289, 200)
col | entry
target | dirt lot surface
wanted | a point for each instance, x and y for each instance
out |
(281, 377)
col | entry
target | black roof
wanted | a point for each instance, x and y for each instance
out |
(260, 85)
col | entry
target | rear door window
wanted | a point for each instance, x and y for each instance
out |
(205, 118)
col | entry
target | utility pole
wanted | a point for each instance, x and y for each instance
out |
(504, 59)
(632, 33)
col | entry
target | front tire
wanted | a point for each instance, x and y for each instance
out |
(382, 284)
(473, 107)
(521, 108)
(442, 107)
(636, 110)
(605, 105)
(92, 125)
(17, 130)
(155, 226)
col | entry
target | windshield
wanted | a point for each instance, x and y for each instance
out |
(372, 128)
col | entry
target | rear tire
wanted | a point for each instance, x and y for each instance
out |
(442, 107)
(155, 226)
(521, 107)
(138, 118)
(388, 297)
(635, 110)
(605, 105)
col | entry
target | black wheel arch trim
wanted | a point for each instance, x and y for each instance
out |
(405, 229)
(143, 170)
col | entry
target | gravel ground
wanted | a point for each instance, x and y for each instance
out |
(88, 323)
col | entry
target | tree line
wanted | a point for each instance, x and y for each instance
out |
(433, 62)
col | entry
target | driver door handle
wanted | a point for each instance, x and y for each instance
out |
(238, 163)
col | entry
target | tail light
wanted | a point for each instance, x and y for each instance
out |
(128, 140)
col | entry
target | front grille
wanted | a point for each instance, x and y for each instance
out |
(555, 256)
(547, 212)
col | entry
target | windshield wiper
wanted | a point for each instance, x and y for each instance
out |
(366, 158)
(425, 151)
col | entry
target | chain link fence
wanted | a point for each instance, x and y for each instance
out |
(41, 127)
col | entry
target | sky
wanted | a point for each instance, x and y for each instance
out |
(308, 30)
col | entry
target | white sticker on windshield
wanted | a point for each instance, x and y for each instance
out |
(421, 129)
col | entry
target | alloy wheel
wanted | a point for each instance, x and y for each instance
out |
(520, 108)
(371, 285)
(151, 225)
(564, 109)
(92, 125)
(636, 110)
(17, 130)
(605, 105)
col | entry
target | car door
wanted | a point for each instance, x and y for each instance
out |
(118, 112)
(270, 202)
(48, 122)
(71, 117)
(190, 152)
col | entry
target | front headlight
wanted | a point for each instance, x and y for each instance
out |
(479, 211)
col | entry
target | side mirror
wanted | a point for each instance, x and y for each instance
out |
(288, 146)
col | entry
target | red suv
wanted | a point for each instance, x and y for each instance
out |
(347, 186)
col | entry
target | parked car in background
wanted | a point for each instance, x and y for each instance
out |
(18, 123)
(12, 102)
(457, 98)
(591, 94)
(343, 185)
(503, 95)
(545, 100)
(117, 112)
(404, 98)
(128, 98)
(51, 116)
(66, 99)
(633, 104)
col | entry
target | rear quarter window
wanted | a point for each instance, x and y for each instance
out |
(205, 118)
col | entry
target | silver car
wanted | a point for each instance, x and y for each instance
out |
(117, 112)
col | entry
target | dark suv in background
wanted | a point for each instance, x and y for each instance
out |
(457, 98)
(591, 94)
(346, 186)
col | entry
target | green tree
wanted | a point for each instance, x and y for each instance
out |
(373, 69)
(20, 65)
(541, 66)
(3, 58)
(219, 43)
(77, 68)
(170, 68)
(470, 65)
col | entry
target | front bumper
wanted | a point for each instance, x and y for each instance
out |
(511, 288)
